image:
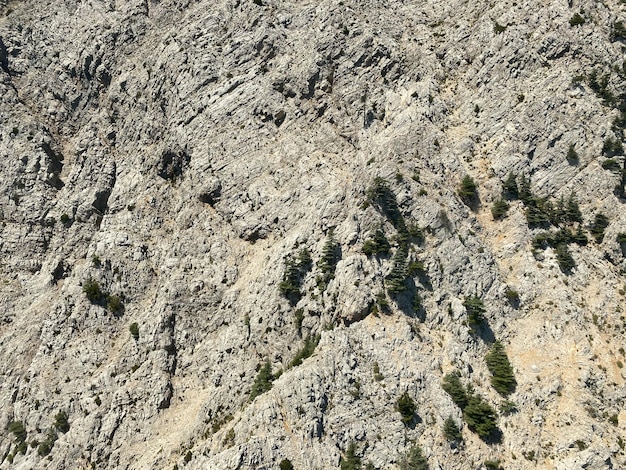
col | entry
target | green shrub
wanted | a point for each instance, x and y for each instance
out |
(564, 258)
(295, 270)
(114, 304)
(307, 350)
(502, 377)
(572, 155)
(18, 430)
(263, 381)
(452, 386)
(92, 290)
(493, 465)
(611, 148)
(416, 233)
(618, 31)
(65, 219)
(451, 430)
(21, 448)
(46, 445)
(576, 20)
(498, 28)
(350, 461)
(579, 237)
(512, 295)
(414, 460)
(406, 407)
(612, 165)
(381, 302)
(285, 464)
(509, 186)
(377, 375)
(599, 224)
(134, 330)
(537, 212)
(475, 311)
(468, 190)
(507, 407)
(530, 455)
(61, 423)
(621, 238)
(299, 318)
(499, 209)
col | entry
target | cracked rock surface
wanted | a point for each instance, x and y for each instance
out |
(186, 192)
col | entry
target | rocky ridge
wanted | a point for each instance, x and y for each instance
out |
(178, 155)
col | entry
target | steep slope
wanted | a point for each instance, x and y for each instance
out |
(168, 165)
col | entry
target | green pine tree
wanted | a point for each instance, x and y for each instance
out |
(451, 430)
(415, 459)
(452, 386)
(406, 406)
(502, 377)
(480, 416)
(509, 187)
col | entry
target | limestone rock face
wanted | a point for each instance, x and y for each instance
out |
(193, 202)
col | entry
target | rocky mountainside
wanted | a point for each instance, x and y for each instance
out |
(269, 234)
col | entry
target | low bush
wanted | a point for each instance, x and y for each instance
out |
(307, 350)
(92, 290)
(414, 460)
(114, 304)
(45, 447)
(452, 386)
(475, 311)
(350, 461)
(134, 330)
(509, 187)
(406, 407)
(572, 156)
(18, 430)
(512, 295)
(377, 245)
(61, 423)
(499, 209)
(285, 464)
(328, 260)
(493, 465)
(468, 191)
(576, 20)
(263, 381)
(597, 227)
(395, 280)
(612, 165)
(508, 407)
(564, 258)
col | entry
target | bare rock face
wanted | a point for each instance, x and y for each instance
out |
(244, 234)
